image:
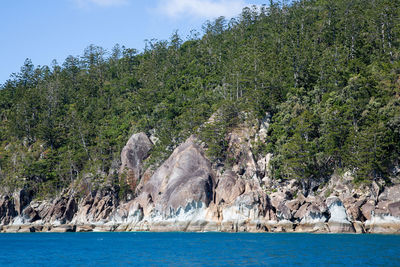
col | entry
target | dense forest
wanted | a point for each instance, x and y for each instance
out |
(327, 72)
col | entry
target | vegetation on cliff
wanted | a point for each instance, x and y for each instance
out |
(327, 72)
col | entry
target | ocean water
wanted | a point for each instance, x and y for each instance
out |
(198, 249)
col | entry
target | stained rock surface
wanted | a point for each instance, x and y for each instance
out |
(134, 152)
(188, 193)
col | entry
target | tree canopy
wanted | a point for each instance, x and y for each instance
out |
(327, 71)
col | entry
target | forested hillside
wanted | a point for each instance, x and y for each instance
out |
(327, 72)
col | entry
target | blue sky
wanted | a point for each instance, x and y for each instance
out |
(43, 30)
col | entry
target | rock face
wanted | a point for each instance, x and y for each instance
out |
(239, 150)
(184, 178)
(21, 200)
(185, 194)
(134, 152)
(384, 217)
(239, 202)
(96, 208)
(7, 210)
(229, 187)
(338, 222)
(188, 193)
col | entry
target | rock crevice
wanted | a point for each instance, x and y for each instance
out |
(187, 194)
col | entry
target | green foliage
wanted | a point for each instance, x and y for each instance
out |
(214, 132)
(327, 71)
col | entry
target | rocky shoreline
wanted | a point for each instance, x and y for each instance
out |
(378, 225)
(188, 193)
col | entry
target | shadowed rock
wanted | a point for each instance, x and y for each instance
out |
(186, 176)
(96, 207)
(367, 209)
(353, 208)
(338, 221)
(239, 149)
(21, 200)
(229, 187)
(7, 210)
(251, 205)
(394, 209)
(390, 194)
(132, 156)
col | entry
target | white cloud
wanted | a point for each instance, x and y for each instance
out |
(102, 3)
(201, 8)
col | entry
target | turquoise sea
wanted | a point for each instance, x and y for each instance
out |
(199, 249)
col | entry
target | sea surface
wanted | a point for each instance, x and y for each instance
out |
(198, 249)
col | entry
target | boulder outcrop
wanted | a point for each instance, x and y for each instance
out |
(338, 221)
(384, 217)
(184, 178)
(180, 190)
(188, 193)
(134, 152)
(242, 204)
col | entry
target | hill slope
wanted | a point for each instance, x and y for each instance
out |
(325, 72)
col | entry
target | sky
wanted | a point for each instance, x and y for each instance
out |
(43, 30)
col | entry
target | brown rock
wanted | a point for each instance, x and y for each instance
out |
(301, 198)
(263, 168)
(312, 212)
(239, 149)
(354, 210)
(43, 209)
(387, 227)
(394, 209)
(96, 207)
(340, 227)
(318, 227)
(382, 208)
(11, 228)
(122, 228)
(70, 209)
(31, 214)
(270, 214)
(390, 194)
(229, 187)
(7, 210)
(332, 200)
(301, 213)
(293, 205)
(318, 204)
(315, 208)
(184, 177)
(21, 200)
(359, 227)
(375, 189)
(340, 188)
(276, 199)
(63, 228)
(132, 156)
(26, 229)
(38, 228)
(283, 212)
(145, 178)
(249, 206)
(46, 228)
(62, 209)
(104, 228)
(367, 209)
(85, 228)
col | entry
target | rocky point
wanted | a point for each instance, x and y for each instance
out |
(187, 192)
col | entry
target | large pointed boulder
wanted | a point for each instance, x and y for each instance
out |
(134, 152)
(184, 182)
